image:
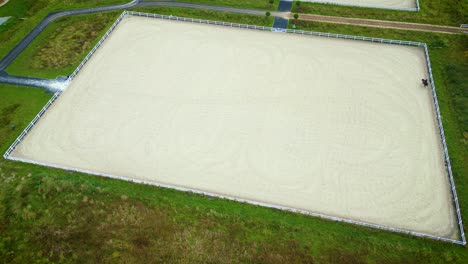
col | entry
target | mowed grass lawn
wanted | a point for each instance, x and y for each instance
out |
(54, 215)
(253, 4)
(438, 12)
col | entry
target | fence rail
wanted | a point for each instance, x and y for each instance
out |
(302, 32)
(444, 145)
(88, 56)
(263, 28)
(31, 124)
(343, 36)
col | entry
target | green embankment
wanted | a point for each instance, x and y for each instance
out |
(252, 4)
(65, 42)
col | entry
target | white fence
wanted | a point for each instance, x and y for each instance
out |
(6, 155)
(104, 37)
(343, 36)
(196, 20)
(444, 146)
(263, 28)
(330, 2)
(31, 124)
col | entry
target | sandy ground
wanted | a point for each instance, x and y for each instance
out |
(338, 127)
(382, 3)
(3, 2)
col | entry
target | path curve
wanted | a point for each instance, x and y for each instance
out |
(46, 21)
(8, 59)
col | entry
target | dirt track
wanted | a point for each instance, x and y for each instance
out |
(380, 23)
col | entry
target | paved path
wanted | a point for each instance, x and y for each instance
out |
(50, 85)
(381, 23)
(284, 7)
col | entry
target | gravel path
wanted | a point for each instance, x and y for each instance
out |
(381, 23)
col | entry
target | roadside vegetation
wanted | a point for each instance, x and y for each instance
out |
(446, 12)
(62, 45)
(65, 42)
(207, 14)
(26, 14)
(54, 215)
(253, 4)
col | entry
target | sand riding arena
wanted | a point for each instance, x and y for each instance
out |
(332, 127)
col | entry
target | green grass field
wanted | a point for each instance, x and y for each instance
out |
(253, 4)
(60, 48)
(446, 12)
(62, 45)
(54, 215)
(50, 215)
(28, 13)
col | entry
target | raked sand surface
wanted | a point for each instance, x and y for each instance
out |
(376, 3)
(337, 127)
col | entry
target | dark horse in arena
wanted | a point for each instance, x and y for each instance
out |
(424, 82)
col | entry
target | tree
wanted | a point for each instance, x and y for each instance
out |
(298, 3)
(296, 16)
(271, 2)
(267, 13)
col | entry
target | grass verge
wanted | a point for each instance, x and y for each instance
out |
(28, 13)
(61, 47)
(252, 4)
(211, 15)
(447, 12)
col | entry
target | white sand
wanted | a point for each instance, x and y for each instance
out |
(377, 3)
(339, 127)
